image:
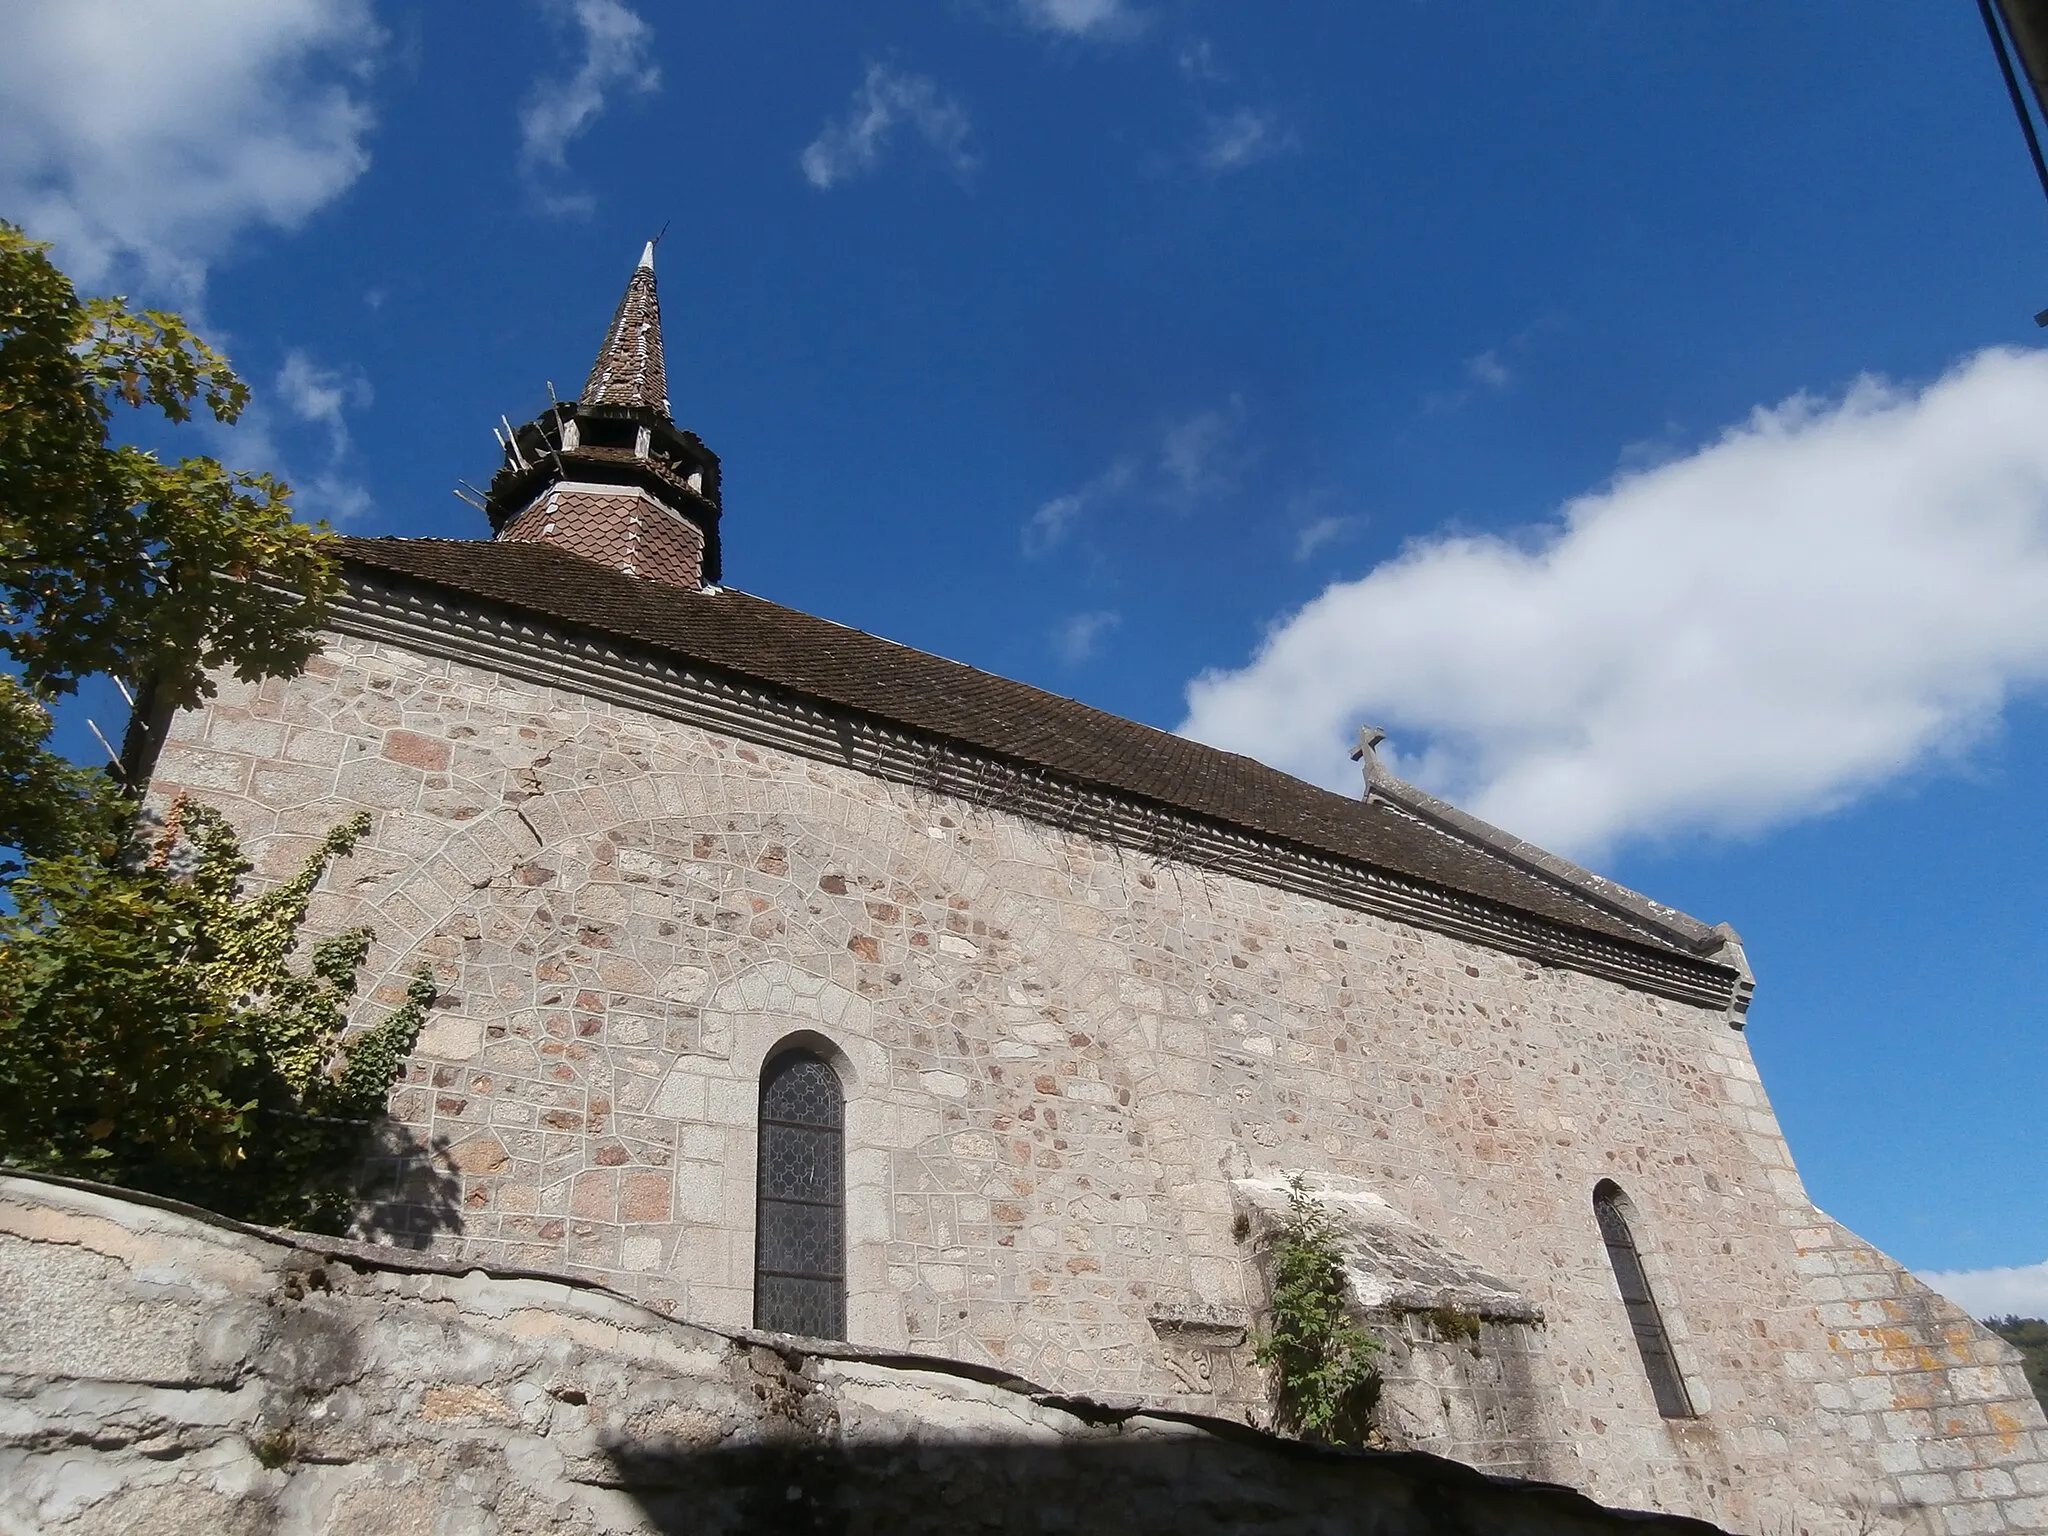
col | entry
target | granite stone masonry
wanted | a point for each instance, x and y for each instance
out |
(1076, 1077)
(166, 1373)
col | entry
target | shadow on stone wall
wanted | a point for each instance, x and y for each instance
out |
(1170, 1486)
(409, 1192)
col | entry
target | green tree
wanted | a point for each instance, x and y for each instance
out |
(48, 807)
(1321, 1361)
(110, 559)
(152, 1033)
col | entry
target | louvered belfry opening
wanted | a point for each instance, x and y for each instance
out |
(1644, 1320)
(800, 1204)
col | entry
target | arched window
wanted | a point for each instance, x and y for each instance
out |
(1610, 1208)
(800, 1199)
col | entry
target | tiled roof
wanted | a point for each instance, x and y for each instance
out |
(617, 526)
(797, 653)
(629, 368)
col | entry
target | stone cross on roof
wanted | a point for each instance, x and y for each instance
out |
(629, 369)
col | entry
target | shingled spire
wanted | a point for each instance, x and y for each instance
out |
(629, 370)
(610, 476)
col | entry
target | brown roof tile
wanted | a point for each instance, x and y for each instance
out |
(813, 658)
(618, 527)
(629, 368)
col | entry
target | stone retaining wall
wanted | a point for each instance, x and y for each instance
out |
(163, 1371)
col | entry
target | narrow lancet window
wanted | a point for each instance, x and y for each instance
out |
(1652, 1342)
(800, 1204)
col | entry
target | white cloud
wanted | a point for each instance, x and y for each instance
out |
(616, 49)
(853, 146)
(1488, 371)
(332, 498)
(1829, 595)
(146, 138)
(321, 398)
(1079, 637)
(1194, 452)
(1192, 459)
(1197, 60)
(252, 444)
(1047, 528)
(1313, 536)
(322, 395)
(1242, 138)
(2019, 1290)
(1079, 18)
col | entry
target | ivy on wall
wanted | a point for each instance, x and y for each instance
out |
(153, 1033)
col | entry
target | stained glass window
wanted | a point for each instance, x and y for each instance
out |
(1644, 1320)
(800, 1212)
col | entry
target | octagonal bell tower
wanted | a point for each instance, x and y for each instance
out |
(609, 475)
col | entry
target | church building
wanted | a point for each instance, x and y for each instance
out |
(793, 979)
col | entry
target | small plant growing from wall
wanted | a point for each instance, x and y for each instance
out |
(1322, 1362)
(1455, 1325)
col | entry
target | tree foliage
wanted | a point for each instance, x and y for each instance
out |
(152, 1032)
(154, 1035)
(110, 559)
(1321, 1360)
(48, 806)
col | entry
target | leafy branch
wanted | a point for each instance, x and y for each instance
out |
(110, 559)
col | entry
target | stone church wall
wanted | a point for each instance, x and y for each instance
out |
(1060, 1060)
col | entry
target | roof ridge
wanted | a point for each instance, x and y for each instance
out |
(725, 589)
(1410, 834)
(1449, 821)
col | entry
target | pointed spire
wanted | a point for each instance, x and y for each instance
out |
(629, 370)
(609, 475)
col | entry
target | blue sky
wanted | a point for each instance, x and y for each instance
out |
(1634, 408)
